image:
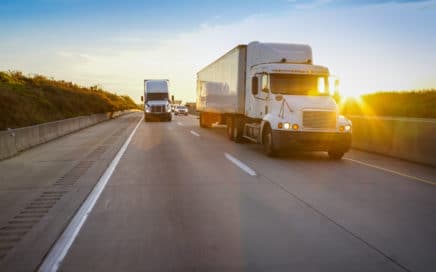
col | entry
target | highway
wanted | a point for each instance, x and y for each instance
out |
(185, 198)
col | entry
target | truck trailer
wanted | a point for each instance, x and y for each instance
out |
(156, 100)
(273, 94)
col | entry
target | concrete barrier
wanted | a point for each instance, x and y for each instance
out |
(412, 139)
(13, 141)
(7, 144)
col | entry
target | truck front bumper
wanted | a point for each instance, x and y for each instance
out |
(311, 141)
(157, 115)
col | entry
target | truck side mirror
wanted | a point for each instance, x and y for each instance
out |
(254, 85)
(336, 86)
(142, 98)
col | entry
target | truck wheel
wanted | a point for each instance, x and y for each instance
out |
(238, 127)
(202, 120)
(267, 141)
(335, 155)
(230, 127)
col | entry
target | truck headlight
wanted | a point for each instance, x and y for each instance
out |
(346, 128)
(147, 108)
(286, 126)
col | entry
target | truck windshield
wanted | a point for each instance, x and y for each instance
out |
(157, 96)
(298, 84)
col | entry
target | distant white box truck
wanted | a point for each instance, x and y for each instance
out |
(272, 94)
(156, 100)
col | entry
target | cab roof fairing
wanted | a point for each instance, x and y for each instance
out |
(258, 53)
(156, 85)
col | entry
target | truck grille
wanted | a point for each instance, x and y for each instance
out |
(319, 119)
(157, 108)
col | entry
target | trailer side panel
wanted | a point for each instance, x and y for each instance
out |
(221, 85)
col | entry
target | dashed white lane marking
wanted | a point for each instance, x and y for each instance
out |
(392, 171)
(179, 123)
(195, 133)
(240, 164)
(63, 244)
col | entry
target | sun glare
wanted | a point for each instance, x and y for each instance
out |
(355, 104)
(349, 91)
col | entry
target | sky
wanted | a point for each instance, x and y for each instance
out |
(370, 45)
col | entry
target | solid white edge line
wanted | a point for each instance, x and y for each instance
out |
(392, 171)
(63, 244)
(240, 164)
(195, 133)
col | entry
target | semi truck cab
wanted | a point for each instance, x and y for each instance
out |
(156, 100)
(297, 110)
(273, 94)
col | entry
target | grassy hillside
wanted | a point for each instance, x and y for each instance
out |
(26, 100)
(419, 104)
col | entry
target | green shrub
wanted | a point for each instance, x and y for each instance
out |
(26, 100)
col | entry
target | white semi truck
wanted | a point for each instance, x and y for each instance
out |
(273, 94)
(156, 100)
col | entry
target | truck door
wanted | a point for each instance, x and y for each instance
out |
(260, 96)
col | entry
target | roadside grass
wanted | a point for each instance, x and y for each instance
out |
(30, 100)
(416, 103)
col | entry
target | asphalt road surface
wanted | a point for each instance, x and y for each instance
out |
(184, 198)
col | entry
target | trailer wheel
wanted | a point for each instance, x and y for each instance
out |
(230, 127)
(335, 155)
(267, 141)
(202, 123)
(204, 120)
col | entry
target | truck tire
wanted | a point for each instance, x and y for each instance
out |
(335, 154)
(238, 127)
(201, 120)
(230, 127)
(204, 122)
(268, 145)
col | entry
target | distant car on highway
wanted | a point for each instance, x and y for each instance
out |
(181, 110)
